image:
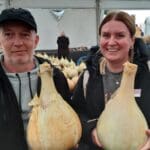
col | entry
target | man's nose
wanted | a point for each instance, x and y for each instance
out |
(18, 41)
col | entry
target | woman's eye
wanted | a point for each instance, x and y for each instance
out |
(120, 35)
(105, 35)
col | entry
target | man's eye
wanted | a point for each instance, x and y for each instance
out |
(8, 34)
(120, 35)
(25, 34)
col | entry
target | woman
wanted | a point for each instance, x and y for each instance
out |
(116, 43)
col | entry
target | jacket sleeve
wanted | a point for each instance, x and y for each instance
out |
(62, 84)
(79, 104)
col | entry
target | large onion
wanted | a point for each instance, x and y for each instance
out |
(53, 124)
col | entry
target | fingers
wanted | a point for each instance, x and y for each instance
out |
(147, 145)
(148, 133)
(76, 147)
(95, 138)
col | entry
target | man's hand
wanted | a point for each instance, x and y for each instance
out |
(147, 145)
(75, 147)
(95, 138)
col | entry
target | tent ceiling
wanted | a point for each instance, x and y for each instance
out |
(53, 3)
(104, 4)
(125, 4)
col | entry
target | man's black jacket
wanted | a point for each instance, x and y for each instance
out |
(11, 124)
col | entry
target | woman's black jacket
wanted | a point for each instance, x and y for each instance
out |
(91, 106)
(11, 124)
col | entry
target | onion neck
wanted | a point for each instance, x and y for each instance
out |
(48, 86)
(128, 78)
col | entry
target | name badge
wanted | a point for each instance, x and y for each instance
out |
(137, 92)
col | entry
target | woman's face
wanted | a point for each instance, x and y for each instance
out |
(115, 41)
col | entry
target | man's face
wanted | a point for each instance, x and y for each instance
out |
(18, 42)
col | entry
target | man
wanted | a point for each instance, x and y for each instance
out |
(19, 76)
(63, 46)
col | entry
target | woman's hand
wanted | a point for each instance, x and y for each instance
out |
(147, 145)
(97, 142)
(95, 138)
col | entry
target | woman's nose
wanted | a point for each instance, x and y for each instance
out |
(112, 40)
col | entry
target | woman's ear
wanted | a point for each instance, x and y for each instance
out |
(133, 41)
(131, 50)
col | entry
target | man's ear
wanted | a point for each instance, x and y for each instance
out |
(36, 41)
(0, 44)
(1, 39)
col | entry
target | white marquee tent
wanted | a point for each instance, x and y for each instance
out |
(79, 19)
